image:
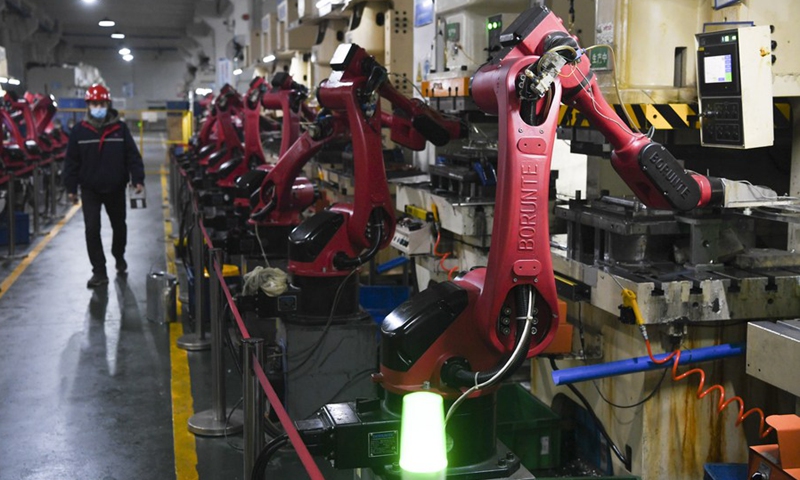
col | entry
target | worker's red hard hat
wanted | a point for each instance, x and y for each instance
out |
(97, 93)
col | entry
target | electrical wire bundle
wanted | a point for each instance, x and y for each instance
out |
(629, 300)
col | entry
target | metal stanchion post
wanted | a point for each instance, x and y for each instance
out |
(53, 187)
(12, 227)
(215, 421)
(197, 340)
(38, 187)
(253, 397)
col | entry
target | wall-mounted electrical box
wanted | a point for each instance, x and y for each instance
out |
(412, 237)
(734, 84)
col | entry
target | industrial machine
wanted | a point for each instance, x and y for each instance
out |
(461, 338)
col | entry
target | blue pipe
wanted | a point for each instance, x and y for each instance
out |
(395, 262)
(643, 364)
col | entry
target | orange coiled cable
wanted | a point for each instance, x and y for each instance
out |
(444, 256)
(722, 403)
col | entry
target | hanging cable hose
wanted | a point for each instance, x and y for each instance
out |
(437, 224)
(644, 400)
(260, 467)
(443, 256)
(614, 448)
(309, 352)
(483, 380)
(629, 300)
(342, 262)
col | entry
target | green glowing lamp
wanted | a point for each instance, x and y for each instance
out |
(423, 454)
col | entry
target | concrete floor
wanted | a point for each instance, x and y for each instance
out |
(85, 377)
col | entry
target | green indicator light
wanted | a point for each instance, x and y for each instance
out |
(422, 438)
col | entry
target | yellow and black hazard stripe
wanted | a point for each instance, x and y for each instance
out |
(782, 115)
(668, 116)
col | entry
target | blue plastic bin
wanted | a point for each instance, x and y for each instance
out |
(380, 300)
(21, 225)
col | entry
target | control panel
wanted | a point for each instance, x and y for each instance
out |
(734, 83)
(412, 236)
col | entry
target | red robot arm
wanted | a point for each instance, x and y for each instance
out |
(354, 90)
(446, 335)
(287, 96)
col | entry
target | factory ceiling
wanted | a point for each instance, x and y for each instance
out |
(146, 24)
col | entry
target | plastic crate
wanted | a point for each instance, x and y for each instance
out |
(529, 428)
(724, 471)
(21, 225)
(380, 300)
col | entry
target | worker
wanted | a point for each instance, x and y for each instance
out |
(102, 159)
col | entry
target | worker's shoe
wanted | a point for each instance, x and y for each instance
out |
(122, 267)
(97, 281)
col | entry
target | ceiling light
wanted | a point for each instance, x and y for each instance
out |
(124, 51)
(3, 79)
(203, 91)
(13, 81)
(106, 22)
(90, 2)
(238, 71)
(268, 59)
(127, 58)
(118, 35)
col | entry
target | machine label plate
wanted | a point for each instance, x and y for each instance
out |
(383, 444)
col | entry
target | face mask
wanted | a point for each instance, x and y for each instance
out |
(98, 112)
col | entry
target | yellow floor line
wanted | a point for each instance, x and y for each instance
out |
(25, 263)
(181, 384)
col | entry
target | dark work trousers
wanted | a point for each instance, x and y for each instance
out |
(115, 208)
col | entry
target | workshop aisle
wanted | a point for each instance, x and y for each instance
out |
(84, 377)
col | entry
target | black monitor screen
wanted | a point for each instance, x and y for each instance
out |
(718, 69)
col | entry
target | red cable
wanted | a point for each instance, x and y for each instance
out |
(722, 403)
(444, 256)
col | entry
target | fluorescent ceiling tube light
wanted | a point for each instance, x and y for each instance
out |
(125, 51)
(13, 81)
(90, 2)
(268, 59)
(3, 79)
(127, 58)
(106, 22)
(238, 71)
(118, 35)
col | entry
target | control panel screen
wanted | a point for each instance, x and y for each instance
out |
(718, 69)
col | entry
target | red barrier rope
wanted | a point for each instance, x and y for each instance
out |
(231, 304)
(294, 437)
(297, 442)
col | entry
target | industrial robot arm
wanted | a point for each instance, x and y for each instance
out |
(353, 233)
(287, 96)
(461, 334)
